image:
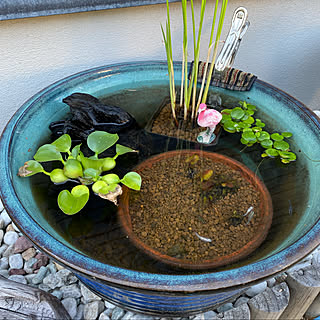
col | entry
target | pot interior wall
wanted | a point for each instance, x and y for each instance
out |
(125, 89)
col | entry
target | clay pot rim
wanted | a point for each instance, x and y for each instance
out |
(250, 176)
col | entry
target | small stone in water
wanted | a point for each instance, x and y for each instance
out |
(18, 278)
(71, 306)
(92, 310)
(16, 261)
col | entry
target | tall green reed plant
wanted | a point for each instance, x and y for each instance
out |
(189, 88)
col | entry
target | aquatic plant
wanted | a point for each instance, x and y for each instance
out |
(83, 170)
(189, 87)
(240, 119)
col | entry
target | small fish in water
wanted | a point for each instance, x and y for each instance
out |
(203, 238)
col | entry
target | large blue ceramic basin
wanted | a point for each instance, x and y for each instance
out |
(149, 292)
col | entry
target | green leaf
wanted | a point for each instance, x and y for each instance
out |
(111, 178)
(250, 120)
(249, 136)
(87, 163)
(47, 152)
(264, 135)
(226, 111)
(244, 141)
(281, 145)
(259, 123)
(99, 141)
(132, 180)
(237, 113)
(263, 155)
(71, 203)
(76, 151)
(58, 176)
(286, 134)
(266, 143)
(101, 187)
(249, 112)
(229, 125)
(276, 137)
(251, 107)
(225, 117)
(91, 174)
(73, 169)
(108, 164)
(120, 149)
(256, 129)
(288, 155)
(272, 152)
(63, 143)
(285, 161)
(30, 168)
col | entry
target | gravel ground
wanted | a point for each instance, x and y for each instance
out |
(21, 262)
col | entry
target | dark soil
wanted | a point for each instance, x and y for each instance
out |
(174, 204)
(164, 124)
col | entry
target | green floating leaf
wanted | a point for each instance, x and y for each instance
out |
(237, 113)
(73, 169)
(285, 161)
(30, 168)
(264, 155)
(226, 111)
(132, 180)
(99, 141)
(47, 152)
(225, 117)
(58, 176)
(71, 203)
(256, 129)
(91, 174)
(259, 123)
(101, 187)
(281, 145)
(286, 134)
(266, 143)
(276, 137)
(120, 149)
(251, 107)
(87, 163)
(249, 112)
(76, 151)
(108, 164)
(111, 178)
(249, 136)
(272, 152)
(244, 141)
(264, 135)
(229, 125)
(288, 155)
(250, 120)
(63, 143)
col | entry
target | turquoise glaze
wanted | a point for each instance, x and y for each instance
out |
(146, 292)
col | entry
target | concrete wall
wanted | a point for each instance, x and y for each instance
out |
(281, 46)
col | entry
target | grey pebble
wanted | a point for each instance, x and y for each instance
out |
(5, 217)
(44, 287)
(10, 237)
(71, 291)
(299, 266)
(9, 251)
(18, 278)
(117, 313)
(28, 266)
(59, 279)
(16, 261)
(128, 315)
(2, 223)
(209, 315)
(92, 310)
(256, 289)
(271, 282)
(29, 277)
(57, 293)
(4, 263)
(3, 248)
(241, 301)
(109, 305)
(71, 306)
(4, 273)
(1, 235)
(40, 275)
(52, 267)
(225, 307)
(104, 316)
(300, 272)
(88, 296)
(79, 315)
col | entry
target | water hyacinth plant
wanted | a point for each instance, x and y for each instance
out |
(240, 119)
(189, 87)
(83, 170)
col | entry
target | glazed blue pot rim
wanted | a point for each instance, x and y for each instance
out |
(228, 279)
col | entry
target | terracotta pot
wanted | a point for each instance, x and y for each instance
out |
(265, 210)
